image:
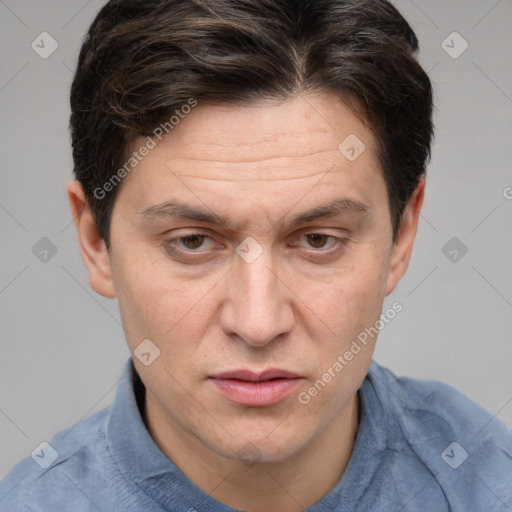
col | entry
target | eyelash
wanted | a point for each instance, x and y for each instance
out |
(171, 243)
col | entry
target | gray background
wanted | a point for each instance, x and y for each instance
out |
(62, 347)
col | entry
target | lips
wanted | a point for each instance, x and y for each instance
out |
(249, 376)
(256, 389)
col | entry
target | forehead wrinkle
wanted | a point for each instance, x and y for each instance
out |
(277, 156)
(321, 155)
(256, 179)
(249, 179)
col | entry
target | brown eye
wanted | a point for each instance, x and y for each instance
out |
(192, 241)
(188, 244)
(317, 240)
(322, 242)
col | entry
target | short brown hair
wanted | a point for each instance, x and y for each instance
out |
(143, 59)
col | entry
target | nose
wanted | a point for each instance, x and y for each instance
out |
(258, 306)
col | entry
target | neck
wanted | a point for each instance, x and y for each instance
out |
(288, 486)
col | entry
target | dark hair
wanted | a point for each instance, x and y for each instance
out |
(144, 59)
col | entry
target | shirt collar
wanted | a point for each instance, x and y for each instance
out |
(142, 462)
(140, 459)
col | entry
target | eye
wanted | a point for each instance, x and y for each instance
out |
(192, 242)
(202, 245)
(189, 243)
(321, 242)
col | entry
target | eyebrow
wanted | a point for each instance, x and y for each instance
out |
(175, 209)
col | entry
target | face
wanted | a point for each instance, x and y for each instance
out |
(262, 279)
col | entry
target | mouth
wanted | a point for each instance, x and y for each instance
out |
(250, 389)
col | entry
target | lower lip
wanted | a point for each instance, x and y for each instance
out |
(256, 394)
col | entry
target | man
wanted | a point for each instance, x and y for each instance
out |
(249, 178)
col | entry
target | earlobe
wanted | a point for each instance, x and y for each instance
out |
(92, 246)
(401, 253)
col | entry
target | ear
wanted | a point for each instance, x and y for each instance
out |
(92, 246)
(402, 249)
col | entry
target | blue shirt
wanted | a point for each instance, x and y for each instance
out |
(421, 446)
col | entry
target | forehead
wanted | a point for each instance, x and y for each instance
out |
(297, 127)
(278, 149)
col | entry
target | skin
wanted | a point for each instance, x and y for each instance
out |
(298, 306)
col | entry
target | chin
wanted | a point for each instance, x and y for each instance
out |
(258, 449)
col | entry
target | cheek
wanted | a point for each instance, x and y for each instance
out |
(351, 298)
(349, 307)
(155, 304)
